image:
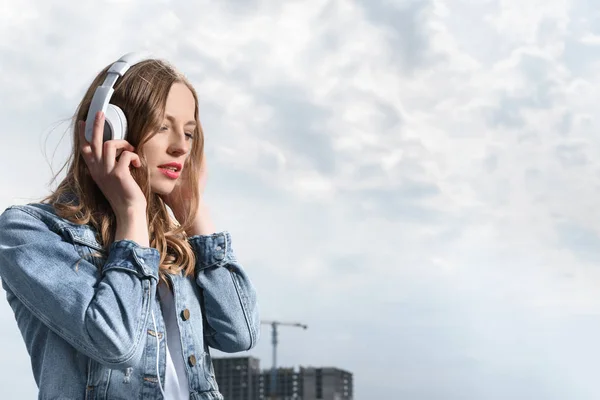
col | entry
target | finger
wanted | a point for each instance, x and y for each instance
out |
(127, 158)
(98, 136)
(85, 147)
(111, 148)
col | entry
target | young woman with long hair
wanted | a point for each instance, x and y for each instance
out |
(118, 280)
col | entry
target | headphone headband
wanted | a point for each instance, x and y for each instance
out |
(126, 61)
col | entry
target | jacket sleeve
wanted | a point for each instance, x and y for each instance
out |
(103, 316)
(229, 297)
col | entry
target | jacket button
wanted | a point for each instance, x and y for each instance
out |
(185, 314)
(192, 360)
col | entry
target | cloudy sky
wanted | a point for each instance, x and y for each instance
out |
(415, 180)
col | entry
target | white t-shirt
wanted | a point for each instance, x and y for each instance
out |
(176, 382)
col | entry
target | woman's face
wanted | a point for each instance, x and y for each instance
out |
(168, 149)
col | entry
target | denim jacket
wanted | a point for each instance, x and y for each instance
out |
(87, 321)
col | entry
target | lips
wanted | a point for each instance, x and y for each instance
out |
(171, 170)
(173, 166)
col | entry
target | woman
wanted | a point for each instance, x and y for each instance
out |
(116, 296)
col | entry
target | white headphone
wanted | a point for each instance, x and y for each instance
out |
(115, 123)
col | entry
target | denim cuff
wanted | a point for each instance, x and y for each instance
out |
(129, 256)
(211, 250)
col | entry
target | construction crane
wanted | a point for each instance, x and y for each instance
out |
(274, 325)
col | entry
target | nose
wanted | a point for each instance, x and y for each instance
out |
(179, 145)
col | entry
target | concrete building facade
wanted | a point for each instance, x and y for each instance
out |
(238, 377)
(241, 378)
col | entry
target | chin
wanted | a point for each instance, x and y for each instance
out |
(162, 189)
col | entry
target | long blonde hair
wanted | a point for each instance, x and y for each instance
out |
(142, 94)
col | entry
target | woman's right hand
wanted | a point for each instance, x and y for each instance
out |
(112, 175)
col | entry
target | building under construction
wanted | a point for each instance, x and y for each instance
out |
(240, 378)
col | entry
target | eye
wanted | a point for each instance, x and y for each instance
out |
(163, 128)
(190, 135)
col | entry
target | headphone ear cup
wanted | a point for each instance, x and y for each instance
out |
(115, 125)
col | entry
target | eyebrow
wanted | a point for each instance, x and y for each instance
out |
(172, 119)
